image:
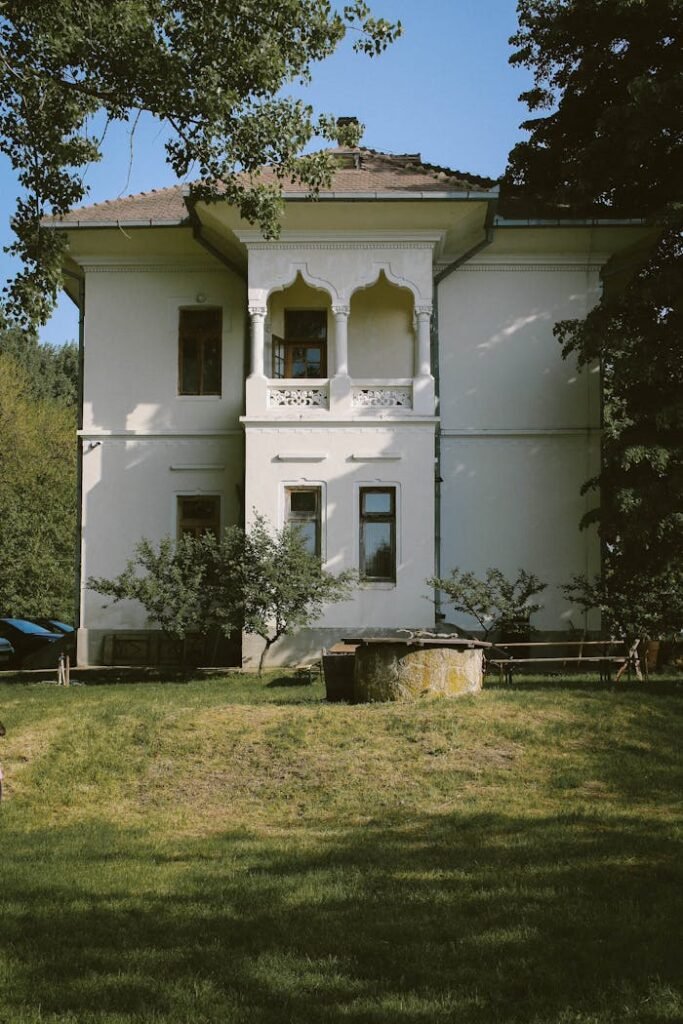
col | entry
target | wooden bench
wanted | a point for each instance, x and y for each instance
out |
(603, 654)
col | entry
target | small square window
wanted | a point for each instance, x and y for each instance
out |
(200, 352)
(199, 514)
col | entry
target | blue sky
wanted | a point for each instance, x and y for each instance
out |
(444, 90)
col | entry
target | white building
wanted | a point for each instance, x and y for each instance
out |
(385, 373)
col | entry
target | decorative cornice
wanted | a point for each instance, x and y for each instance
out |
(149, 435)
(513, 432)
(313, 246)
(149, 268)
(473, 267)
(353, 239)
(304, 426)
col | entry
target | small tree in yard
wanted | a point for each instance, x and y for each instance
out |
(267, 584)
(496, 602)
(650, 608)
(284, 586)
(187, 586)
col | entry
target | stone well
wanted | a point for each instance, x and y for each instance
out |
(401, 670)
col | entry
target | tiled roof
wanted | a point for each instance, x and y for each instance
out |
(360, 171)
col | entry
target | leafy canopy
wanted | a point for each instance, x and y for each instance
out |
(37, 499)
(212, 72)
(608, 138)
(264, 582)
(497, 603)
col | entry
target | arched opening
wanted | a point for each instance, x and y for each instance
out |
(381, 333)
(301, 332)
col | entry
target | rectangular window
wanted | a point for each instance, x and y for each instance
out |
(303, 350)
(199, 352)
(378, 534)
(199, 514)
(303, 513)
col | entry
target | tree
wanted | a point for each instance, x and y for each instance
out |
(212, 72)
(266, 583)
(37, 500)
(188, 586)
(607, 73)
(284, 586)
(51, 371)
(497, 603)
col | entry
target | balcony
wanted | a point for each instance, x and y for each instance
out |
(339, 397)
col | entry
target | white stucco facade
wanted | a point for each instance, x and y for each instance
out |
(444, 388)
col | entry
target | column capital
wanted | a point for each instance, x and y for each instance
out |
(339, 310)
(258, 311)
(424, 311)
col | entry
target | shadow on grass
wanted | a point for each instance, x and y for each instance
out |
(474, 918)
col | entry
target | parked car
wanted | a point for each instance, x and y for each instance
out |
(6, 652)
(27, 639)
(54, 625)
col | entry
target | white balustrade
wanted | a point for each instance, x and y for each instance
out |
(379, 394)
(298, 394)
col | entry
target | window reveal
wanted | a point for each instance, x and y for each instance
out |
(199, 514)
(377, 560)
(199, 352)
(303, 514)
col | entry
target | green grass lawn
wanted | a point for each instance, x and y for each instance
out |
(239, 851)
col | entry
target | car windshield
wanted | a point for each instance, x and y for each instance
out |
(27, 627)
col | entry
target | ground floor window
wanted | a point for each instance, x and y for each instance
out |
(302, 511)
(198, 514)
(377, 560)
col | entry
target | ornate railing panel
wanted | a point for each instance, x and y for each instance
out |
(376, 395)
(297, 394)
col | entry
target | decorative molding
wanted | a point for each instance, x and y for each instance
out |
(341, 310)
(148, 268)
(301, 456)
(146, 435)
(384, 457)
(207, 467)
(385, 419)
(342, 239)
(519, 267)
(522, 432)
(314, 246)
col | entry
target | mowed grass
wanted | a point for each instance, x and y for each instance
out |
(239, 851)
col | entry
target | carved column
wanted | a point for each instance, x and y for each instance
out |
(258, 320)
(341, 323)
(256, 386)
(423, 362)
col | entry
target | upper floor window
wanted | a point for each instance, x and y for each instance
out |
(303, 350)
(199, 352)
(378, 534)
(302, 512)
(198, 514)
